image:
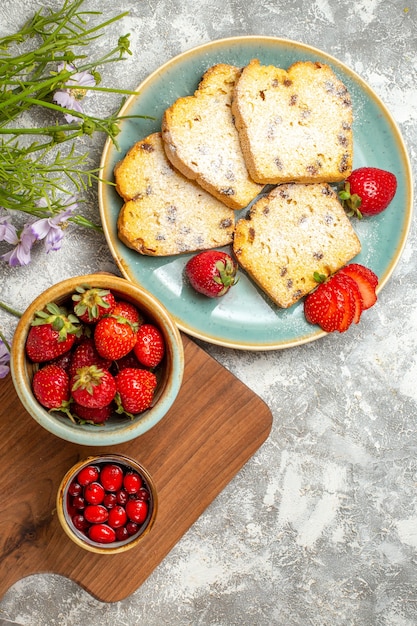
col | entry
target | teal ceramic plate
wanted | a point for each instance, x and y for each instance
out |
(244, 318)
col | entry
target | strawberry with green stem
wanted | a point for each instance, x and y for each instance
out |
(53, 332)
(91, 303)
(50, 387)
(211, 273)
(368, 191)
(338, 301)
(93, 387)
(135, 390)
(149, 348)
(114, 337)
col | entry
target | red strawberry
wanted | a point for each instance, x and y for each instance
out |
(135, 390)
(150, 345)
(52, 333)
(93, 387)
(114, 337)
(346, 300)
(129, 360)
(86, 354)
(92, 303)
(211, 273)
(368, 191)
(339, 301)
(88, 414)
(324, 306)
(64, 360)
(355, 295)
(128, 311)
(50, 386)
(366, 280)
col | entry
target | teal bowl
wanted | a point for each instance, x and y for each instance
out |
(117, 429)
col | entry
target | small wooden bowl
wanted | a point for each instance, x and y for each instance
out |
(78, 536)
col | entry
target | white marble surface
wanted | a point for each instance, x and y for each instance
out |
(320, 527)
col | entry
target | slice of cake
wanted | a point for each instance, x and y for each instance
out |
(295, 125)
(289, 235)
(201, 140)
(165, 213)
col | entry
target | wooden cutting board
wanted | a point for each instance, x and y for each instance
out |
(214, 427)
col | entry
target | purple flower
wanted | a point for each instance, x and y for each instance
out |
(4, 360)
(23, 242)
(69, 98)
(51, 228)
(7, 230)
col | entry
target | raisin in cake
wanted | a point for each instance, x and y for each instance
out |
(295, 231)
(294, 125)
(201, 140)
(164, 212)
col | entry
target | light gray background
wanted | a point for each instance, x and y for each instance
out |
(320, 527)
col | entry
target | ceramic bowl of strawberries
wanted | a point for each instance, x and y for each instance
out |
(96, 360)
(107, 503)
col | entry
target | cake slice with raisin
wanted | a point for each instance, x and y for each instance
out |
(201, 140)
(291, 233)
(294, 125)
(164, 212)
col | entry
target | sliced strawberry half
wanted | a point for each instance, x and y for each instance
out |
(365, 279)
(323, 307)
(346, 301)
(365, 271)
(356, 302)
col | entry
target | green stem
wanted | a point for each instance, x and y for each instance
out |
(4, 340)
(9, 309)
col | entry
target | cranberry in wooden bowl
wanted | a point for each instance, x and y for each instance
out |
(107, 503)
(60, 401)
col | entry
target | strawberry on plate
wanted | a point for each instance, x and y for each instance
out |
(135, 390)
(366, 280)
(53, 332)
(339, 301)
(149, 348)
(325, 307)
(368, 191)
(211, 273)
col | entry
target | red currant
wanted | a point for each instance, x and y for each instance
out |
(132, 482)
(111, 477)
(109, 500)
(137, 510)
(132, 528)
(121, 533)
(80, 522)
(101, 533)
(94, 493)
(142, 494)
(74, 489)
(96, 513)
(78, 503)
(117, 517)
(122, 497)
(88, 475)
